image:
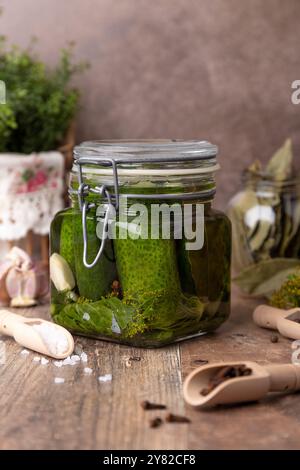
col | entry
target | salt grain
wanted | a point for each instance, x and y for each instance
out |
(105, 378)
(68, 362)
(36, 359)
(83, 357)
(53, 337)
(75, 358)
(24, 352)
(86, 316)
(44, 361)
(87, 370)
(59, 380)
(58, 363)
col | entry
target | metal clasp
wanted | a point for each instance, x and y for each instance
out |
(103, 191)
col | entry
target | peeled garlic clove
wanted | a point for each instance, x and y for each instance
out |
(61, 274)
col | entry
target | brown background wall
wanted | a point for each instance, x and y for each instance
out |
(214, 69)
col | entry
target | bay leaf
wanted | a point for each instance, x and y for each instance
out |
(280, 165)
(265, 277)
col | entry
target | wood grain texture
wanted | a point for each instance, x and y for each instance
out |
(36, 413)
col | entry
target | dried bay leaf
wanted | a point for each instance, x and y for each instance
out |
(265, 277)
(280, 165)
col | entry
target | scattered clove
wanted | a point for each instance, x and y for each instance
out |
(223, 374)
(171, 418)
(135, 358)
(147, 405)
(131, 359)
(155, 422)
(274, 338)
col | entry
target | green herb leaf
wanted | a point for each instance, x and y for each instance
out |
(280, 165)
(265, 277)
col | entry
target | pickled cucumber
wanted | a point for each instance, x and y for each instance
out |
(147, 267)
(92, 283)
(66, 248)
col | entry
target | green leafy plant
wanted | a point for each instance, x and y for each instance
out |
(40, 104)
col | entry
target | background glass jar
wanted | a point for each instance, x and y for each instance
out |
(141, 290)
(265, 218)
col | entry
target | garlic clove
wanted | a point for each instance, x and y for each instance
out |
(61, 274)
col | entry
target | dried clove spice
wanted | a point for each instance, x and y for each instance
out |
(223, 374)
(129, 360)
(147, 405)
(274, 338)
(155, 422)
(171, 418)
(135, 358)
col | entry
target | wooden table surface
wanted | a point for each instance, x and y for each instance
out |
(82, 413)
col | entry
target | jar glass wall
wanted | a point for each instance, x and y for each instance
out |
(147, 288)
(265, 218)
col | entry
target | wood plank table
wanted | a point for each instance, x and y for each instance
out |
(83, 413)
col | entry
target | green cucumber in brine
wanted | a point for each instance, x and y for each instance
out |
(66, 248)
(146, 267)
(93, 283)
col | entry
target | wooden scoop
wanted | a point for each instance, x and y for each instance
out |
(285, 321)
(37, 334)
(264, 379)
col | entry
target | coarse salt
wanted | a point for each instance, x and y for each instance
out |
(36, 359)
(53, 337)
(87, 370)
(44, 361)
(58, 363)
(24, 352)
(68, 362)
(75, 358)
(105, 378)
(59, 380)
(86, 316)
(83, 357)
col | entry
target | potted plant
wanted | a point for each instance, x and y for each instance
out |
(36, 140)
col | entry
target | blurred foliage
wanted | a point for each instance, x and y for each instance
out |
(288, 296)
(40, 104)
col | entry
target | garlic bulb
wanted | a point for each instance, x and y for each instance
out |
(61, 274)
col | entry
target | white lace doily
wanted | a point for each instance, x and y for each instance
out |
(31, 188)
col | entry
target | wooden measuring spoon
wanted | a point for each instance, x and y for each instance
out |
(37, 334)
(285, 321)
(264, 379)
